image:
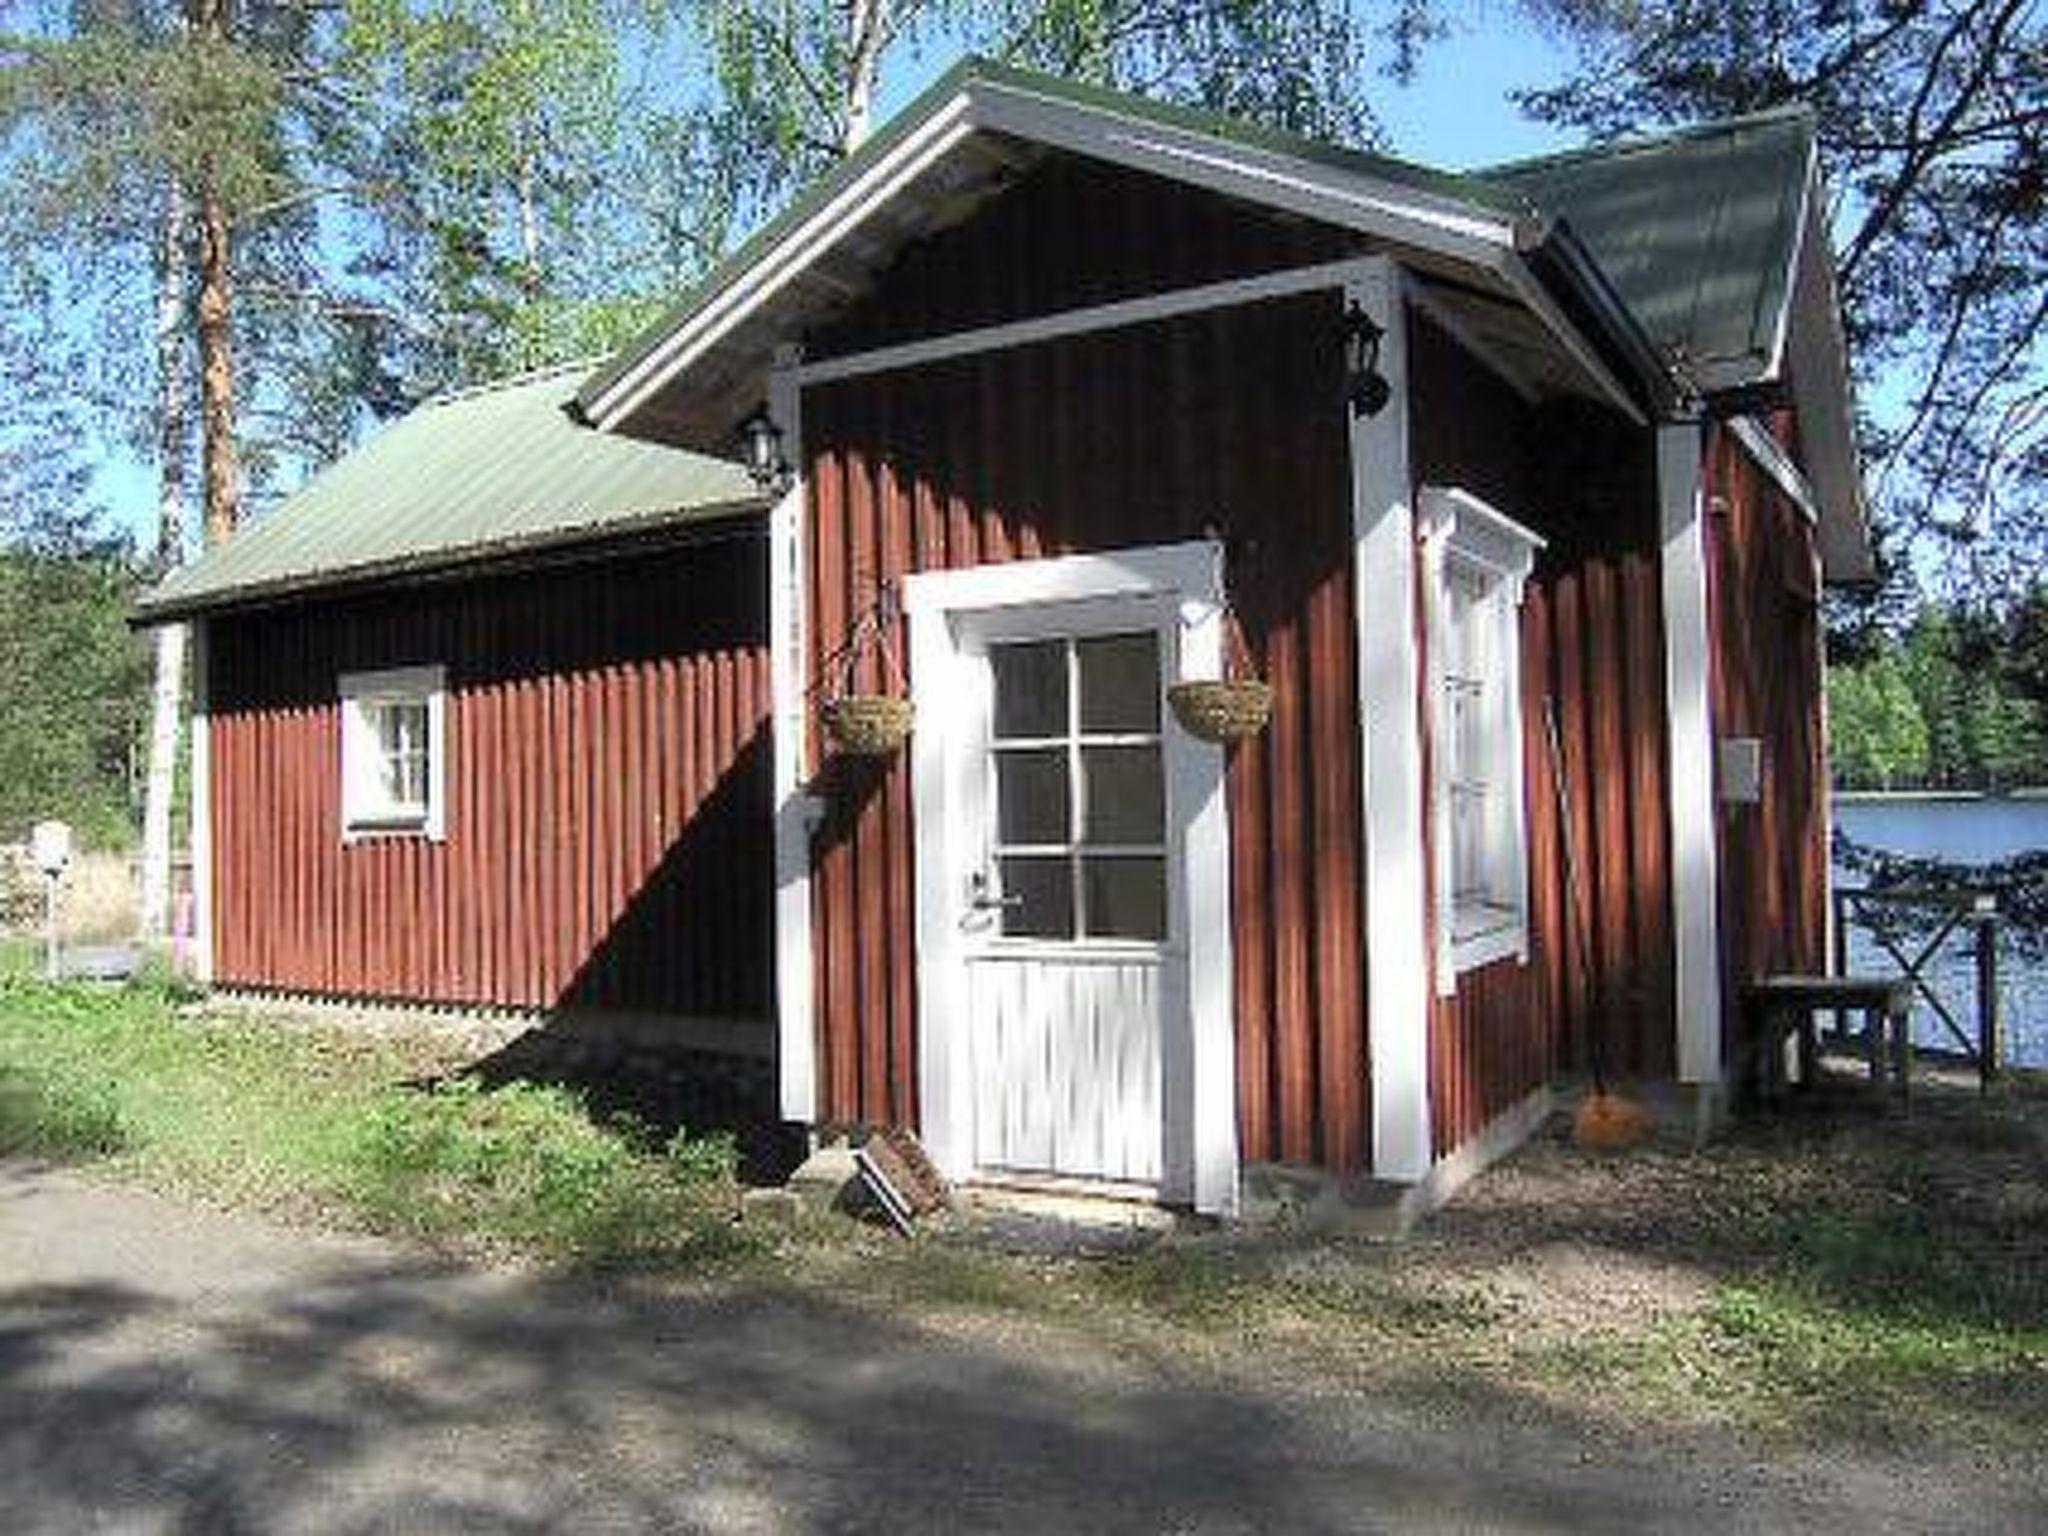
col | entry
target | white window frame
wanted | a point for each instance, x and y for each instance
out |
(365, 813)
(1465, 538)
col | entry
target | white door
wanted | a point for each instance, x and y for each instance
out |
(1073, 876)
(1068, 924)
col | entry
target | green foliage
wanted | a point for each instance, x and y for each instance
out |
(117, 105)
(327, 1125)
(72, 685)
(1956, 702)
(786, 73)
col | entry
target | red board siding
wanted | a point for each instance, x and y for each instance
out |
(608, 791)
(1766, 683)
(1592, 634)
(1019, 256)
(1139, 436)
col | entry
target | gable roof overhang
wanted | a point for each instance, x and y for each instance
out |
(1716, 238)
(1813, 373)
(1482, 250)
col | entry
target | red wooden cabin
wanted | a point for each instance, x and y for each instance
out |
(1519, 487)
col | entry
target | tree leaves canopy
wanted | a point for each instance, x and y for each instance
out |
(1933, 124)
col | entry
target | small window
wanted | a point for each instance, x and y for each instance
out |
(393, 752)
(1080, 788)
(1478, 562)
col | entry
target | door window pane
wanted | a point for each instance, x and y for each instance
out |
(1125, 895)
(1126, 795)
(1031, 689)
(1038, 897)
(1032, 796)
(1119, 683)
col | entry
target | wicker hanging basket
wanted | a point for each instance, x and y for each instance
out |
(1222, 710)
(868, 724)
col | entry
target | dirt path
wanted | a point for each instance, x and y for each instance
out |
(167, 1369)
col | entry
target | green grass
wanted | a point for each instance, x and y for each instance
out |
(1850, 1274)
(332, 1127)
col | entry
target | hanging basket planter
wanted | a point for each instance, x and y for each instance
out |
(868, 724)
(863, 724)
(1225, 709)
(1220, 710)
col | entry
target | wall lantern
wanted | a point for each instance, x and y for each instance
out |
(1363, 381)
(761, 439)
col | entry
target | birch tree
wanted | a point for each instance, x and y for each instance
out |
(798, 80)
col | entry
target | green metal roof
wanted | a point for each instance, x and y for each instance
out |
(1696, 231)
(482, 473)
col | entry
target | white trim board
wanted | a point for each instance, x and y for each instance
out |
(1390, 705)
(1688, 682)
(1771, 458)
(1078, 322)
(795, 809)
(200, 836)
(1200, 1072)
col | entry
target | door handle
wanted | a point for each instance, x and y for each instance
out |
(982, 896)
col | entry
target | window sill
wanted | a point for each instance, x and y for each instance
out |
(366, 828)
(1482, 934)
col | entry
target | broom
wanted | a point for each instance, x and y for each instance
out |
(1605, 1120)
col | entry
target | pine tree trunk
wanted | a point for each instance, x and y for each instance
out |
(167, 696)
(211, 22)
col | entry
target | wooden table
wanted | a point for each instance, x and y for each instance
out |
(1776, 1006)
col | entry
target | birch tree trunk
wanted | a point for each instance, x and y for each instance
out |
(167, 695)
(867, 34)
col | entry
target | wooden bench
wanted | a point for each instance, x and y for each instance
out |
(1775, 1007)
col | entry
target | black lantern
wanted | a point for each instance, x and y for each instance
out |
(1363, 381)
(762, 440)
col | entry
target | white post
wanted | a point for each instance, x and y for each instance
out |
(167, 701)
(796, 1041)
(1203, 830)
(1687, 680)
(52, 969)
(1389, 706)
(201, 836)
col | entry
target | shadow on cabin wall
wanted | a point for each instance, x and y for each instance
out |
(700, 925)
(609, 855)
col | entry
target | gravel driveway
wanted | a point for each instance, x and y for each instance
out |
(170, 1369)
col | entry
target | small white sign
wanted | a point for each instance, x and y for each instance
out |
(49, 844)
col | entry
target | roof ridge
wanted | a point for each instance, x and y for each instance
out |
(1645, 143)
(578, 366)
(1205, 120)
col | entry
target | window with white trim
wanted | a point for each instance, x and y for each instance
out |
(1477, 562)
(1076, 754)
(393, 752)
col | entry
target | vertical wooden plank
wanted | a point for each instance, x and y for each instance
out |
(896, 555)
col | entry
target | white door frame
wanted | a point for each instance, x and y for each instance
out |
(1198, 1042)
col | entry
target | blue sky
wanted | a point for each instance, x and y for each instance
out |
(1456, 114)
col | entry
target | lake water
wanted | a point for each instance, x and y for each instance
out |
(1968, 830)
